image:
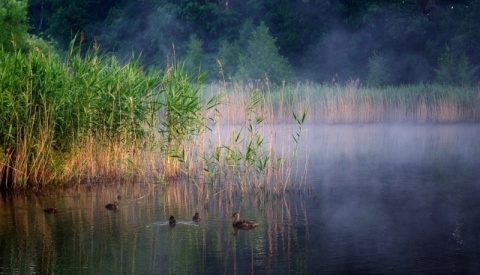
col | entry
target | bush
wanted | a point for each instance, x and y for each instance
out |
(13, 19)
(454, 69)
(263, 59)
(378, 73)
(195, 57)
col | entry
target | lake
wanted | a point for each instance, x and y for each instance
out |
(378, 198)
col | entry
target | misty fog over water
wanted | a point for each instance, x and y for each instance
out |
(395, 198)
(379, 198)
(364, 198)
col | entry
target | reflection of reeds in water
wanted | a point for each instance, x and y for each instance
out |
(86, 235)
(82, 231)
(280, 217)
(27, 239)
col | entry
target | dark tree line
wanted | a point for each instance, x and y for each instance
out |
(383, 42)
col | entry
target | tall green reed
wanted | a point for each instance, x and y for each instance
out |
(85, 117)
(249, 159)
(183, 114)
(52, 107)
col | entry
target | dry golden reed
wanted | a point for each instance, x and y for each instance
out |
(353, 103)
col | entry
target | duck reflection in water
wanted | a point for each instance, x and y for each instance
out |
(172, 221)
(245, 224)
(50, 210)
(112, 206)
(196, 218)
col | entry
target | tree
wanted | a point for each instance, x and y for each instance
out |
(229, 57)
(378, 73)
(263, 59)
(39, 14)
(297, 23)
(318, 38)
(13, 19)
(69, 18)
(210, 20)
(195, 57)
(454, 70)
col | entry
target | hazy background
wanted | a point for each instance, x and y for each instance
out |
(379, 42)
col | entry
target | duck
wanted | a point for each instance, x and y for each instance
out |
(245, 224)
(196, 218)
(50, 210)
(172, 221)
(112, 206)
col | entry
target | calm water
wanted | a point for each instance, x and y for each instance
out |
(381, 199)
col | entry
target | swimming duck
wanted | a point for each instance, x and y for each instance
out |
(172, 221)
(112, 206)
(50, 210)
(246, 224)
(196, 218)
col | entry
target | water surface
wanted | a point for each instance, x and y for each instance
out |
(378, 199)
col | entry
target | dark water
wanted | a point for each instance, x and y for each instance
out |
(380, 199)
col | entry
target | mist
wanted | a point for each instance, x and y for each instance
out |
(148, 32)
(394, 197)
(319, 39)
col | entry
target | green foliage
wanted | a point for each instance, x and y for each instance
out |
(466, 72)
(13, 22)
(115, 99)
(445, 74)
(195, 57)
(29, 85)
(454, 70)
(180, 107)
(66, 18)
(231, 54)
(318, 39)
(183, 115)
(253, 56)
(229, 57)
(246, 157)
(245, 34)
(262, 59)
(378, 71)
(52, 106)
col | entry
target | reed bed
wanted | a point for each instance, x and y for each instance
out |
(86, 118)
(353, 103)
(52, 108)
(83, 118)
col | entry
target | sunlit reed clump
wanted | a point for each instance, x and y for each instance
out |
(75, 118)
